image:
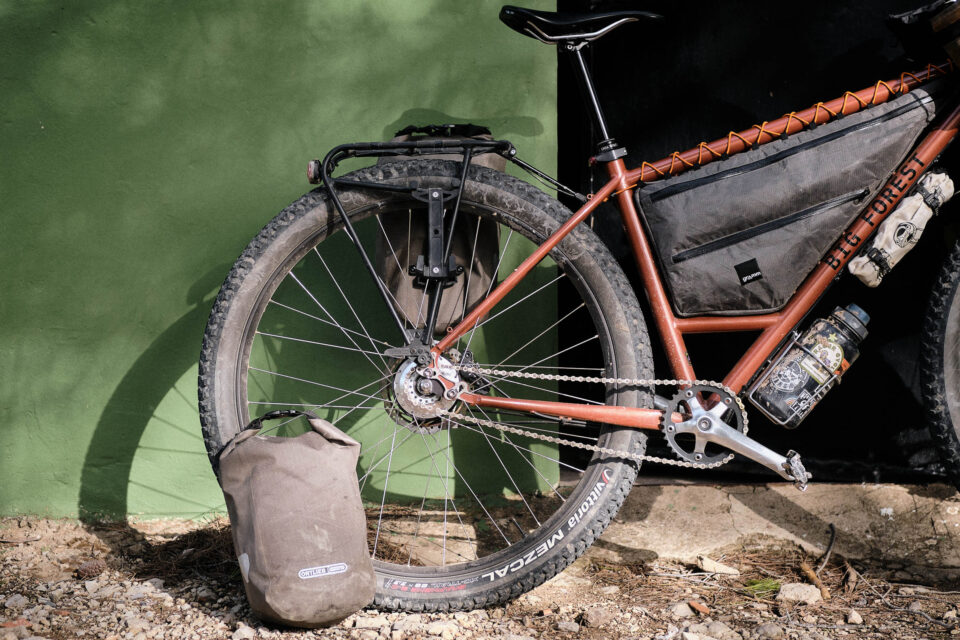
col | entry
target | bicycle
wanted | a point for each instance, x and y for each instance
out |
(504, 423)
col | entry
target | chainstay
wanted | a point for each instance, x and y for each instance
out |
(640, 382)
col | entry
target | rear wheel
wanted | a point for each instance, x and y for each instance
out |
(460, 514)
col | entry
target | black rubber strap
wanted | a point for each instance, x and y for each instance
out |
(256, 423)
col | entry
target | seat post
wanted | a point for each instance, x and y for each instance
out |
(607, 147)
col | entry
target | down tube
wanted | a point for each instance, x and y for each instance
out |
(844, 250)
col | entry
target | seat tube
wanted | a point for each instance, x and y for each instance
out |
(653, 287)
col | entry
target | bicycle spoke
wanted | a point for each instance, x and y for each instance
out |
(383, 498)
(446, 494)
(510, 476)
(479, 502)
(469, 426)
(531, 386)
(363, 328)
(517, 449)
(333, 320)
(529, 295)
(319, 319)
(493, 280)
(540, 335)
(319, 384)
(314, 342)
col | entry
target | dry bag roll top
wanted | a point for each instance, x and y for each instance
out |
(298, 524)
(738, 236)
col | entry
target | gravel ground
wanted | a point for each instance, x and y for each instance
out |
(177, 579)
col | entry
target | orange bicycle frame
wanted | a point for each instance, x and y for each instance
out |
(773, 327)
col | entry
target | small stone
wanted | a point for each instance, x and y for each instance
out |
(609, 591)
(810, 619)
(91, 569)
(916, 605)
(440, 627)
(16, 601)
(950, 615)
(686, 635)
(712, 566)
(769, 630)
(853, 617)
(720, 631)
(597, 616)
(244, 632)
(567, 625)
(156, 583)
(799, 593)
(371, 623)
(680, 610)
(369, 634)
(91, 586)
(205, 594)
(533, 599)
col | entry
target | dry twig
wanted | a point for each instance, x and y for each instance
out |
(809, 573)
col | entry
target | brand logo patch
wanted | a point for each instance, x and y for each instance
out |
(318, 572)
(748, 271)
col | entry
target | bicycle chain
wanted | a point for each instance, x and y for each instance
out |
(640, 382)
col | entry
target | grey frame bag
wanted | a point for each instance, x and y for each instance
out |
(298, 524)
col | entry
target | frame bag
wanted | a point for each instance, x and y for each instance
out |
(298, 523)
(738, 236)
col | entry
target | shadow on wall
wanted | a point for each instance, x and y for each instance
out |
(105, 478)
(502, 127)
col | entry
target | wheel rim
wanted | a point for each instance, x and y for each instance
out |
(440, 497)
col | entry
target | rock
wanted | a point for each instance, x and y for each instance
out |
(443, 628)
(680, 610)
(798, 593)
(770, 630)
(369, 634)
(156, 583)
(244, 632)
(371, 623)
(672, 631)
(91, 569)
(713, 630)
(609, 591)
(91, 586)
(950, 615)
(712, 566)
(16, 601)
(721, 631)
(567, 625)
(686, 635)
(853, 617)
(597, 617)
(205, 594)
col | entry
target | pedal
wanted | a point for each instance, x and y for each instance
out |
(794, 467)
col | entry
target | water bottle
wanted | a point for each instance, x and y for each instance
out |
(811, 366)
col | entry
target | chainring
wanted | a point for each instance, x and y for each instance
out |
(688, 402)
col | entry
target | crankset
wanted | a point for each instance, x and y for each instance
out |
(703, 408)
(688, 439)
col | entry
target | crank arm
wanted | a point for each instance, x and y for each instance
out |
(788, 467)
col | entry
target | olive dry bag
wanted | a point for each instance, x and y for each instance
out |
(298, 523)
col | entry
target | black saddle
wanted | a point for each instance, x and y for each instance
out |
(551, 28)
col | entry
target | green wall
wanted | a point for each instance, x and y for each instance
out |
(143, 144)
